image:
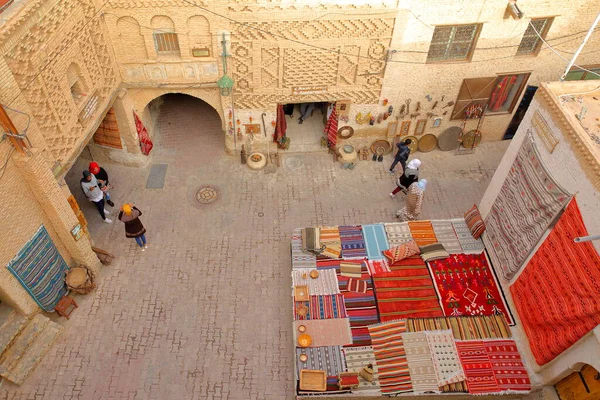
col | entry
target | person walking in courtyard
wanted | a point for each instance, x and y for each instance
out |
(410, 176)
(92, 191)
(401, 155)
(130, 216)
(414, 200)
(102, 178)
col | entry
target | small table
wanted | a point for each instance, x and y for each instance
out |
(65, 306)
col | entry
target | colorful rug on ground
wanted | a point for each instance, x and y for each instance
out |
(477, 366)
(397, 233)
(40, 268)
(360, 307)
(420, 363)
(422, 232)
(328, 358)
(527, 203)
(557, 295)
(353, 243)
(378, 266)
(445, 234)
(394, 376)
(325, 283)
(468, 243)
(330, 238)
(375, 241)
(466, 285)
(300, 258)
(356, 359)
(464, 328)
(330, 306)
(407, 291)
(445, 357)
(509, 370)
(326, 332)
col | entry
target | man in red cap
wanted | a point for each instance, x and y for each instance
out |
(102, 178)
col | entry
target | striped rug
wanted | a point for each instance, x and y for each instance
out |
(301, 258)
(378, 266)
(420, 363)
(477, 367)
(356, 359)
(375, 241)
(325, 283)
(445, 357)
(422, 232)
(464, 328)
(388, 347)
(445, 234)
(329, 306)
(508, 366)
(468, 244)
(397, 233)
(353, 243)
(330, 235)
(327, 358)
(407, 291)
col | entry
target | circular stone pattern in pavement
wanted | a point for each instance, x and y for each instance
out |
(294, 163)
(207, 194)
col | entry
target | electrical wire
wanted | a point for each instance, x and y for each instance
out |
(19, 112)
(10, 152)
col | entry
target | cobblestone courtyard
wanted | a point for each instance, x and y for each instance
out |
(205, 312)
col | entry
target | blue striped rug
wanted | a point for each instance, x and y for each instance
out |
(375, 240)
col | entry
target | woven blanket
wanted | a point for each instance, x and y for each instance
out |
(508, 366)
(378, 266)
(397, 233)
(301, 258)
(422, 232)
(420, 363)
(329, 306)
(528, 202)
(375, 241)
(360, 307)
(353, 243)
(468, 243)
(40, 268)
(326, 332)
(445, 234)
(477, 367)
(328, 358)
(445, 357)
(407, 291)
(310, 239)
(557, 295)
(325, 283)
(394, 376)
(464, 328)
(356, 359)
(349, 269)
(330, 235)
(466, 285)
(332, 251)
(357, 285)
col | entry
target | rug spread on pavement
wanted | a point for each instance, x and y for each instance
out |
(477, 367)
(422, 232)
(398, 233)
(464, 328)
(468, 243)
(445, 234)
(353, 243)
(325, 283)
(445, 357)
(327, 358)
(356, 359)
(420, 362)
(375, 241)
(301, 258)
(326, 332)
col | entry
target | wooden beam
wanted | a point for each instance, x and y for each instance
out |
(9, 127)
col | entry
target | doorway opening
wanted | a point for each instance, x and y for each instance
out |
(520, 113)
(305, 125)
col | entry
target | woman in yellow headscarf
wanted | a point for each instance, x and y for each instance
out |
(134, 228)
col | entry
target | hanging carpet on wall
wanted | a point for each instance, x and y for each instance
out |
(145, 141)
(557, 294)
(528, 202)
(40, 268)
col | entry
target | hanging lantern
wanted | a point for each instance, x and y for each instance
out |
(225, 84)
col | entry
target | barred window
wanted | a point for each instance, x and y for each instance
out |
(453, 43)
(166, 43)
(576, 74)
(531, 42)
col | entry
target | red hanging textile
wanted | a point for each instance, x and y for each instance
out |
(331, 128)
(280, 126)
(500, 94)
(145, 142)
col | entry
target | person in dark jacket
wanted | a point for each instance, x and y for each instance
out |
(102, 178)
(410, 176)
(130, 215)
(402, 155)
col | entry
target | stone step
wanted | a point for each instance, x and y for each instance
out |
(26, 337)
(34, 354)
(10, 328)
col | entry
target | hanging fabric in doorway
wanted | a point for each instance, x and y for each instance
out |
(145, 142)
(40, 268)
(280, 126)
(331, 128)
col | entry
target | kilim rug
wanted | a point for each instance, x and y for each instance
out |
(328, 358)
(378, 266)
(464, 328)
(466, 285)
(375, 241)
(326, 332)
(353, 243)
(325, 283)
(407, 291)
(557, 295)
(445, 357)
(468, 243)
(527, 203)
(477, 367)
(40, 268)
(397, 233)
(357, 285)
(360, 307)
(445, 234)
(329, 306)
(394, 376)
(420, 363)
(330, 235)
(349, 269)
(508, 366)
(356, 359)
(422, 232)
(300, 258)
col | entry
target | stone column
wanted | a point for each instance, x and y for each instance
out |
(53, 202)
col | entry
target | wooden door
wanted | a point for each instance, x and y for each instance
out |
(582, 385)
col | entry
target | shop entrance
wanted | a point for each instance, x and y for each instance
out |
(305, 125)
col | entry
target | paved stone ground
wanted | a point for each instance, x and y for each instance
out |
(205, 312)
